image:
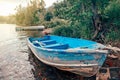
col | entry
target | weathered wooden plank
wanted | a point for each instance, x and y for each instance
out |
(30, 28)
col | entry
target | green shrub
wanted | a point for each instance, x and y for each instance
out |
(112, 13)
(113, 35)
(63, 31)
(75, 31)
(55, 22)
(48, 16)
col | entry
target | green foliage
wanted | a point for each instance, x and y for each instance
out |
(73, 31)
(79, 14)
(112, 21)
(74, 18)
(113, 35)
(113, 13)
(63, 31)
(79, 17)
(48, 16)
(55, 22)
(20, 15)
(30, 15)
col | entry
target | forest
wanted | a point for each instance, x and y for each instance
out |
(97, 20)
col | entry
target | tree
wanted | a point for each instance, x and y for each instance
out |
(88, 15)
(30, 15)
(78, 16)
(98, 6)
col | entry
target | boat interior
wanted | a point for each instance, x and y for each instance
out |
(47, 43)
(54, 42)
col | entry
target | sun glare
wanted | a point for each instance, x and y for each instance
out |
(7, 8)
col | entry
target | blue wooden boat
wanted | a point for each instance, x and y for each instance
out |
(80, 56)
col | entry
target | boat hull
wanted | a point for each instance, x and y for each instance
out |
(86, 71)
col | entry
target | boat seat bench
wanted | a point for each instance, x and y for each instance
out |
(57, 46)
(48, 42)
(54, 45)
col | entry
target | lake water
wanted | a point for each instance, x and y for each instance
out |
(14, 54)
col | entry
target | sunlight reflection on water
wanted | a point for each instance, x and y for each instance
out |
(14, 55)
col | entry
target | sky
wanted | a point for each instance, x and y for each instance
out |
(7, 7)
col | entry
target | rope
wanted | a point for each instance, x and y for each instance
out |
(115, 49)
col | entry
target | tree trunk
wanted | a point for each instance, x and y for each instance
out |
(97, 21)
